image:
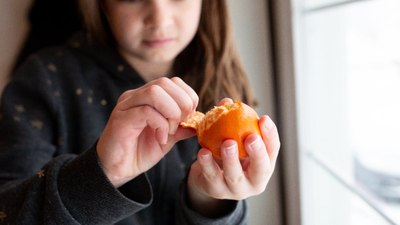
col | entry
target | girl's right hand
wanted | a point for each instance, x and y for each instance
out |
(143, 127)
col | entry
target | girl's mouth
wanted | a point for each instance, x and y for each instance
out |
(157, 42)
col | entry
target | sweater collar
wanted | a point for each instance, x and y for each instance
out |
(105, 57)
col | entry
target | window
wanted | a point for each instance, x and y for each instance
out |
(348, 101)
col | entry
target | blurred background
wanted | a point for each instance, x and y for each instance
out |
(348, 89)
(326, 71)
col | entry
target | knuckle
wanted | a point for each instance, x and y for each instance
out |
(163, 81)
(153, 90)
(124, 95)
(211, 177)
(187, 107)
(218, 193)
(196, 99)
(174, 115)
(267, 172)
(234, 180)
(147, 110)
(176, 79)
(259, 189)
(239, 195)
(278, 143)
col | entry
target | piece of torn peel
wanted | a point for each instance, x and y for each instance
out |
(194, 120)
(200, 121)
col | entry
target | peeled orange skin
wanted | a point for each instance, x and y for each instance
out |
(231, 121)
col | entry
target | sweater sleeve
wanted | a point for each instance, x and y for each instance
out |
(70, 190)
(38, 183)
(236, 214)
(90, 198)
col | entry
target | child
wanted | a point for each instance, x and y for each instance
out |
(89, 132)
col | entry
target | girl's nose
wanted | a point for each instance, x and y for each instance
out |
(159, 15)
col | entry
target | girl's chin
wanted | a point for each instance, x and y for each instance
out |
(161, 59)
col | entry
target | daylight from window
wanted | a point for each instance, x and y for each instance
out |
(348, 100)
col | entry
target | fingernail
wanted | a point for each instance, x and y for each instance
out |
(172, 128)
(231, 150)
(162, 136)
(205, 157)
(256, 144)
(269, 124)
(164, 140)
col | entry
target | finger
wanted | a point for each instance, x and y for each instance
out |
(178, 93)
(210, 169)
(225, 101)
(270, 136)
(259, 168)
(212, 174)
(157, 122)
(175, 89)
(156, 97)
(180, 97)
(233, 172)
(125, 95)
(189, 90)
(183, 133)
(141, 117)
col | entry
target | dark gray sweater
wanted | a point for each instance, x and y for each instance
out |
(51, 115)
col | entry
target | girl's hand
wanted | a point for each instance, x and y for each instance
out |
(209, 181)
(143, 127)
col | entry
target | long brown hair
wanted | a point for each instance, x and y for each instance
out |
(210, 64)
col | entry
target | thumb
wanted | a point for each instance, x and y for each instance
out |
(183, 133)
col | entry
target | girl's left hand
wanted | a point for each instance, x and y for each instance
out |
(209, 181)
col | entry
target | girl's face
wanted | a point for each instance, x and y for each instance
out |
(152, 31)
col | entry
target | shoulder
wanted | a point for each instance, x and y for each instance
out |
(48, 58)
(65, 61)
(63, 55)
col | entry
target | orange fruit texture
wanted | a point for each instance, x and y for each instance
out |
(230, 121)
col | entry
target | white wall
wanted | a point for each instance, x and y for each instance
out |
(250, 28)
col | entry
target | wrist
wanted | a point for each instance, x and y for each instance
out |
(206, 205)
